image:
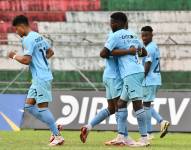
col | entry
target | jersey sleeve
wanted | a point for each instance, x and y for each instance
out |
(111, 43)
(28, 46)
(151, 54)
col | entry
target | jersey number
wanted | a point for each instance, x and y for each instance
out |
(157, 68)
(43, 55)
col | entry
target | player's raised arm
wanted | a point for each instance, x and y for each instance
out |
(25, 59)
(49, 53)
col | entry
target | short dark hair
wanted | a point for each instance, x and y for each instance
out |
(119, 16)
(147, 28)
(21, 19)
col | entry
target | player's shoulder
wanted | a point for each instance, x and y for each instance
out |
(132, 33)
(110, 34)
(124, 32)
(31, 37)
(152, 46)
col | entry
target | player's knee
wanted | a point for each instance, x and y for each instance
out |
(121, 104)
(147, 104)
(111, 110)
(28, 107)
(43, 105)
(137, 105)
(30, 101)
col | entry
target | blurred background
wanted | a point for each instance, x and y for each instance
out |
(77, 29)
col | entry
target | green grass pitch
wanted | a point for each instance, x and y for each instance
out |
(38, 140)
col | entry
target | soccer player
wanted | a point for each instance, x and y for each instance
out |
(132, 73)
(113, 84)
(152, 80)
(37, 51)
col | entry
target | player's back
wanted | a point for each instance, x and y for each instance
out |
(36, 46)
(128, 64)
(154, 76)
(111, 65)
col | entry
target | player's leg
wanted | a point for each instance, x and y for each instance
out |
(147, 107)
(135, 93)
(31, 108)
(156, 115)
(112, 95)
(141, 119)
(30, 102)
(43, 98)
(47, 117)
(102, 115)
(122, 127)
(121, 123)
(164, 124)
(125, 138)
(148, 97)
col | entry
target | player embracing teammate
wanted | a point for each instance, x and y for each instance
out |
(126, 68)
(123, 78)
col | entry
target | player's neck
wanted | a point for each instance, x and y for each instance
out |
(120, 29)
(28, 30)
(148, 43)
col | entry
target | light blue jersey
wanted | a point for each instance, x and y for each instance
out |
(154, 76)
(111, 77)
(111, 64)
(36, 46)
(124, 39)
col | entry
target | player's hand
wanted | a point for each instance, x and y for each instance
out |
(11, 54)
(132, 50)
(139, 51)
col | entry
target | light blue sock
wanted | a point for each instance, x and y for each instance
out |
(33, 110)
(122, 121)
(102, 115)
(148, 116)
(116, 117)
(126, 129)
(47, 117)
(156, 115)
(141, 119)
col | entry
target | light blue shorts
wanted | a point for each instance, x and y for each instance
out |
(41, 91)
(113, 87)
(132, 87)
(149, 92)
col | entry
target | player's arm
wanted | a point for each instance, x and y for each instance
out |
(25, 59)
(104, 53)
(49, 53)
(147, 67)
(148, 62)
(122, 52)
